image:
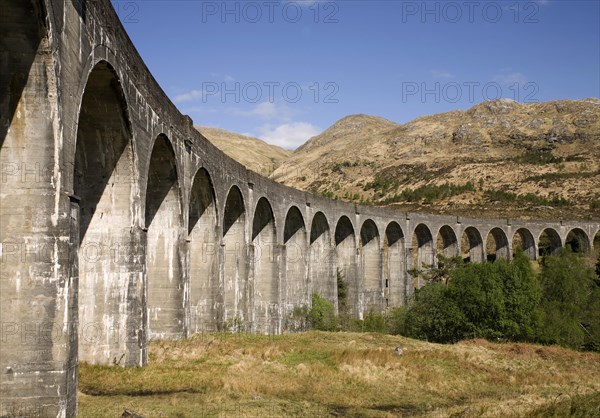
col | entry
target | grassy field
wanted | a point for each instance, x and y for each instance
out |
(344, 374)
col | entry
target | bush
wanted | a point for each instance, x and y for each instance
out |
(322, 314)
(434, 316)
(343, 309)
(396, 320)
(569, 302)
(373, 322)
(488, 300)
(522, 293)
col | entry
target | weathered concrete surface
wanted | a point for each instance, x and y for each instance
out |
(121, 223)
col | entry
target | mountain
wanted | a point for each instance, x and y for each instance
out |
(499, 158)
(253, 153)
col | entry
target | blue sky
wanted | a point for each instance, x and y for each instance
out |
(285, 71)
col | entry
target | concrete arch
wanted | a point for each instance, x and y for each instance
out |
(423, 251)
(296, 259)
(101, 55)
(548, 242)
(234, 289)
(578, 241)
(523, 239)
(203, 253)
(265, 271)
(163, 220)
(322, 275)
(103, 173)
(394, 267)
(472, 245)
(371, 263)
(446, 242)
(496, 245)
(345, 251)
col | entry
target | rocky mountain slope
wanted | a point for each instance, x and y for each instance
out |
(499, 158)
(253, 153)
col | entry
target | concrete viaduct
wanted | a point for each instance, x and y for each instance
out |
(121, 223)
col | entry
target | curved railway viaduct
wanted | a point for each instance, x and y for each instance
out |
(121, 223)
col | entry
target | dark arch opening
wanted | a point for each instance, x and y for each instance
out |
(322, 276)
(447, 243)
(394, 265)
(163, 184)
(296, 261)
(266, 269)
(294, 223)
(345, 251)
(496, 245)
(235, 290)
(548, 242)
(103, 181)
(597, 241)
(422, 251)
(578, 241)
(166, 313)
(472, 246)
(523, 239)
(372, 280)
(202, 257)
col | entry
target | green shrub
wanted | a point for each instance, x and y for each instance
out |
(372, 322)
(504, 196)
(433, 315)
(541, 157)
(488, 300)
(396, 320)
(569, 302)
(322, 314)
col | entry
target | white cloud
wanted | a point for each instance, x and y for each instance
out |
(510, 78)
(441, 74)
(267, 111)
(288, 135)
(189, 96)
(224, 77)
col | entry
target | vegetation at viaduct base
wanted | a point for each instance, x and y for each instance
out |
(499, 301)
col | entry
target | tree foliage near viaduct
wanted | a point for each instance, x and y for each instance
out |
(509, 301)
(502, 301)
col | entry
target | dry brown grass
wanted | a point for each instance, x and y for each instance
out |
(328, 374)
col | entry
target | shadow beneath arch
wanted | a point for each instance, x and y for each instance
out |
(21, 33)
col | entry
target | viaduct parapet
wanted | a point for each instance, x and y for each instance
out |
(121, 223)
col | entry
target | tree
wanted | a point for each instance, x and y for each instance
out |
(522, 296)
(434, 316)
(489, 300)
(567, 300)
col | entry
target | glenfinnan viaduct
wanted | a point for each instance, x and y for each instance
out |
(120, 223)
